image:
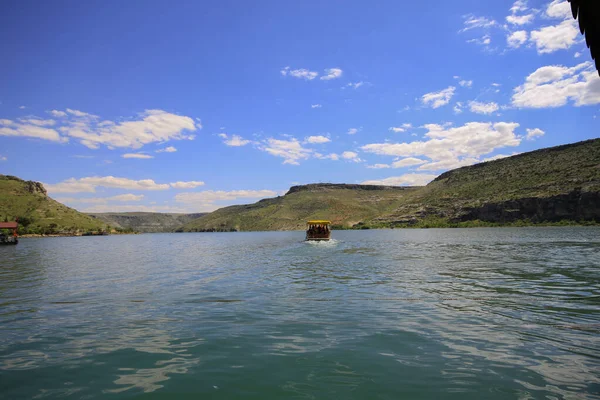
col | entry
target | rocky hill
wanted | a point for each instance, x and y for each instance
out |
(146, 221)
(37, 212)
(545, 186)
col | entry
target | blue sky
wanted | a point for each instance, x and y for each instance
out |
(189, 106)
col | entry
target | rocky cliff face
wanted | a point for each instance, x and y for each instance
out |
(36, 188)
(576, 206)
(31, 186)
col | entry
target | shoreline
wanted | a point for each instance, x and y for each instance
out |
(39, 235)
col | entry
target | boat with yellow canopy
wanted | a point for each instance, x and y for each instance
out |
(318, 230)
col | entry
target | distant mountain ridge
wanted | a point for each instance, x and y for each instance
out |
(146, 221)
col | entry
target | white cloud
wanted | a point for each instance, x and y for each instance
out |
(210, 200)
(472, 22)
(154, 126)
(407, 125)
(352, 131)
(331, 156)
(519, 6)
(378, 166)
(406, 179)
(22, 107)
(520, 19)
(496, 84)
(557, 37)
(483, 108)
(438, 99)
(450, 163)
(559, 9)
(396, 129)
(458, 107)
(533, 133)
(3, 158)
(351, 156)
(58, 114)
(408, 162)
(555, 85)
(89, 184)
(169, 149)
(81, 114)
(355, 85)
(137, 155)
(332, 73)
(186, 185)
(317, 139)
(301, 73)
(447, 146)
(316, 106)
(516, 39)
(37, 121)
(234, 140)
(577, 54)
(485, 40)
(290, 150)
(465, 83)
(102, 200)
(117, 207)
(11, 128)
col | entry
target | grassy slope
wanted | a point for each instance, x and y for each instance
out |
(539, 174)
(146, 221)
(344, 207)
(17, 200)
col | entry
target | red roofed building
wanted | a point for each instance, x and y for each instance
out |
(9, 225)
(4, 239)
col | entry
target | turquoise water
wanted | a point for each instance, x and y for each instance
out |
(391, 314)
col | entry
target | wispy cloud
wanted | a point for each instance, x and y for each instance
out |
(301, 73)
(317, 139)
(332, 73)
(142, 156)
(234, 140)
(402, 180)
(483, 108)
(438, 99)
(89, 184)
(169, 149)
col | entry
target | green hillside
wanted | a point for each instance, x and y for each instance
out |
(37, 212)
(544, 186)
(344, 205)
(145, 221)
(547, 185)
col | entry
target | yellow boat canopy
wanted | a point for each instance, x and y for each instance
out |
(318, 222)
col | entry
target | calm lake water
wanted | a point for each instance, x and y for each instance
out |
(391, 314)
